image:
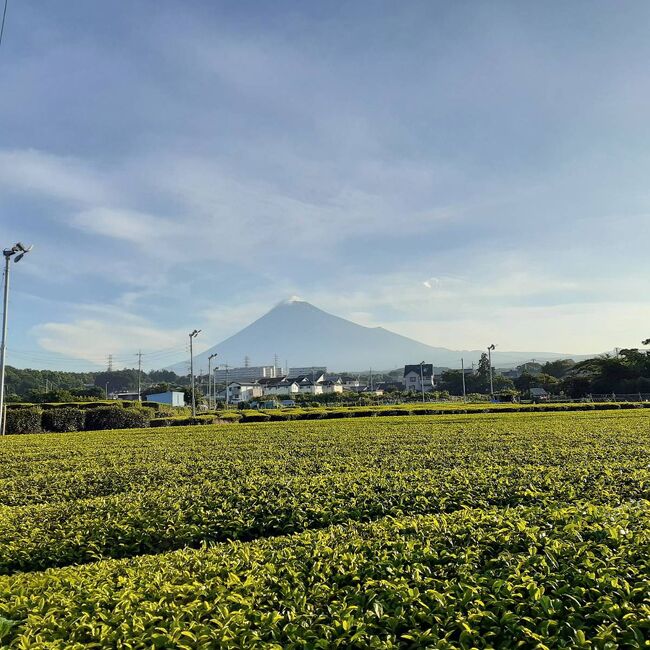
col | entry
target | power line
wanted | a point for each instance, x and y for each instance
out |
(4, 16)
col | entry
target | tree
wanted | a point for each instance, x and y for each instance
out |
(483, 374)
(558, 368)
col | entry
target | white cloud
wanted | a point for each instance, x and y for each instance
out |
(64, 178)
(136, 227)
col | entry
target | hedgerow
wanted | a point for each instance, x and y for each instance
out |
(63, 419)
(573, 576)
(495, 530)
(24, 420)
(112, 417)
(179, 487)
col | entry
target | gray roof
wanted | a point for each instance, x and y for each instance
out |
(427, 370)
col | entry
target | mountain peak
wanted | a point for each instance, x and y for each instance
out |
(291, 300)
(304, 335)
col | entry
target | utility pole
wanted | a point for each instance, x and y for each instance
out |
(192, 335)
(490, 348)
(210, 379)
(227, 388)
(19, 250)
(422, 378)
(106, 390)
(371, 380)
(462, 372)
(139, 375)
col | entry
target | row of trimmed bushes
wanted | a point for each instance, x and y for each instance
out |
(84, 405)
(65, 418)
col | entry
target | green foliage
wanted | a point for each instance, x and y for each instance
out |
(63, 419)
(182, 420)
(25, 420)
(571, 576)
(114, 417)
(498, 530)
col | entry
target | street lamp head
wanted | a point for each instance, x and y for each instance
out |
(19, 248)
(491, 347)
(194, 333)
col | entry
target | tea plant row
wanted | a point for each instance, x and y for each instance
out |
(542, 577)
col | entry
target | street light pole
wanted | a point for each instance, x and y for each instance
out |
(192, 336)
(19, 250)
(210, 380)
(462, 372)
(422, 378)
(490, 348)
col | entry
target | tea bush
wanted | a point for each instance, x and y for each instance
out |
(112, 417)
(64, 419)
(572, 576)
(23, 420)
(506, 530)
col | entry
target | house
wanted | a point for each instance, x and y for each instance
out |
(538, 394)
(419, 377)
(332, 386)
(243, 391)
(278, 386)
(170, 397)
(390, 386)
(307, 385)
(349, 382)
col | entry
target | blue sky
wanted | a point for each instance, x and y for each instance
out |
(458, 172)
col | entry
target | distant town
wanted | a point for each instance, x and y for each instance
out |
(623, 375)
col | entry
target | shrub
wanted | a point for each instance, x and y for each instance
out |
(255, 416)
(112, 417)
(394, 412)
(182, 421)
(23, 420)
(228, 416)
(318, 414)
(341, 413)
(63, 419)
(364, 413)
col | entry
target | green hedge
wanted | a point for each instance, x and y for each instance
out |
(64, 419)
(111, 417)
(254, 416)
(24, 420)
(182, 420)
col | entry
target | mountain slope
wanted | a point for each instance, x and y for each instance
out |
(304, 335)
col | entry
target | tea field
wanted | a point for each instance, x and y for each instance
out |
(515, 530)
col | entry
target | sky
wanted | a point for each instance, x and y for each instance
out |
(461, 173)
